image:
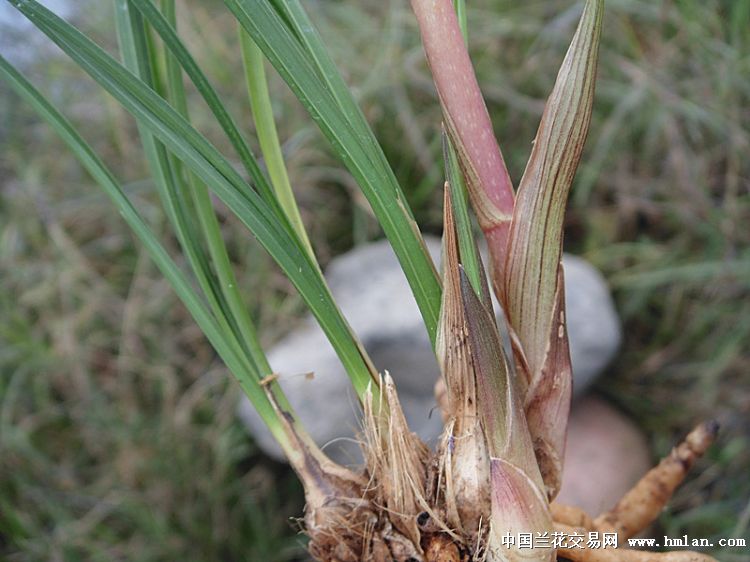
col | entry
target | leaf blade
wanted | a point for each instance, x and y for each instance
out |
(301, 60)
(179, 281)
(212, 168)
(260, 103)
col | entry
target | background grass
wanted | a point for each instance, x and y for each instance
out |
(118, 439)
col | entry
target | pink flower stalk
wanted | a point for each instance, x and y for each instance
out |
(468, 123)
(524, 236)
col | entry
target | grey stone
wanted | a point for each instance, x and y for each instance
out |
(593, 325)
(374, 296)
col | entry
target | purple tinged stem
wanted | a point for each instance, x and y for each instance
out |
(467, 122)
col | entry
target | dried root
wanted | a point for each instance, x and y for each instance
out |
(571, 516)
(396, 511)
(638, 508)
(641, 506)
(584, 554)
(395, 516)
(411, 505)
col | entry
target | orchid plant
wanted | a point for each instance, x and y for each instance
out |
(497, 469)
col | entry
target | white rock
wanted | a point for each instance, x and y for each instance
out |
(593, 325)
(374, 296)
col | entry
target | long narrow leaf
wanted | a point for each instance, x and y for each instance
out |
(323, 480)
(134, 50)
(460, 214)
(236, 310)
(179, 281)
(140, 55)
(171, 40)
(260, 103)
(312, 46)
(208, 164)
(224, 291)
(318, 86)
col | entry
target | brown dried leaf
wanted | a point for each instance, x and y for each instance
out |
(396, 461)
(465, 458)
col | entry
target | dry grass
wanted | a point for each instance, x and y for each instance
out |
(117, 432)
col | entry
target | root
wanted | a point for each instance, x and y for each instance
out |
(402, 506)
(627, 555)
(644, 502)
(638, 508)
(571, 516)
(390, 519)
(584, 554)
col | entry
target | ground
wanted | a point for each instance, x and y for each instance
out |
(118, 439)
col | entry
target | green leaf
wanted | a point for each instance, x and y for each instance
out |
(260, 103)
(139, 56)
(212, 168)
(229, 294)
(216, 334)
(179, 51)
(469, 255)
(460, 7)
(289, 41)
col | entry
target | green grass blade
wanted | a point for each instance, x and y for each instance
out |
(138, 57)
(300, 58)
(168, 34)
(175, 92)
(225, 291)
(179, 281)
(460, 6)
(213, 169)
(240, 318)
(260, 103)
(139, 54)
(298, 22)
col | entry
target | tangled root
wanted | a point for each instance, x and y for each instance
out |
(396, 509)
(361, 533)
